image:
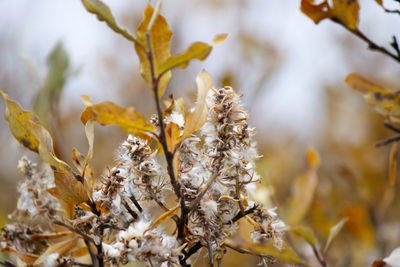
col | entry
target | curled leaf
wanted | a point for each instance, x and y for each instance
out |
(25, 127)
(107, 113)
(172, 135)
(343, 11)
(103, 13)
(163, 218)
(195, 120)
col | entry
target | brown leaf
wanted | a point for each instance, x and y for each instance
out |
(163, 218)
(316, 12)
(108, 113)
(195, 120)
(28, 258)
(160, 38)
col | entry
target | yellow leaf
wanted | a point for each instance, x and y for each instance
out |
(333, 232)
(50, 236)
(384, 101)
(393, 164)
(164, 217)
(359, 224)
(61, 248)
(316, 12)
(160, 38)
(172, 135)
(346, 11)
(343, 11)
(107, 113)
(195, 120)
(286, 254)
(103, 13)
(197, 50)
(303, 189)
(219, 39)
(25, 127)
(306, 234)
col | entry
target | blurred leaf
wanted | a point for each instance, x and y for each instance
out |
(163, 218)
(86, 173)
(195, 120)
(103, 13)
(49, 94)
(50, 236)
(219, 39)
(160, 39)
(172, 135)
(344, 11)
(359, 223)
(25, 127)
(107, 113)
(383, 100)
(379, 2)
(306, 234)
(61, 248)
(286, 254)
(303, 189)
(334, 231)
(378, 263)
(393, 164)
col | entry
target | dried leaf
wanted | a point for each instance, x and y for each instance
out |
(333, 232)
(306, 234)
(393, 164)
(172, 135)
(219, 39)
(379, 2)
(61, 248)
(103, 13)
(285, 255)
(163, 218)
(69, 190)
(107, 113)
(160, 39)
(195, 120)
(50, 236)
(344, 11)
(25, 127)
(49, 94)
(383, 100)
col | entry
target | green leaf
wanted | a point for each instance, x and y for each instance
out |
(49, 95)
(306, 234)
(103, 13)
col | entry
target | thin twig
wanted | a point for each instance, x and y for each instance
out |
(241, 215)
(6, 264)
(371, 45)
(91, 253)
(388, 141)
(136, 203)
(74, 263)
(72, 229)
(320, 259)
(391, 127)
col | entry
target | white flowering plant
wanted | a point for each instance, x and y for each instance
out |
(66, 216)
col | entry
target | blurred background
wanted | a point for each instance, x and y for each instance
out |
(290, 71)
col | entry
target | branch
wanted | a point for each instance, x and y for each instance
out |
(6, 264)
(371, 45)
(91, 253)
(241, 215)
